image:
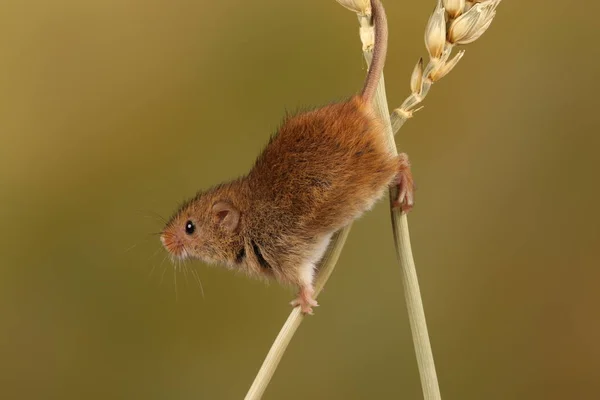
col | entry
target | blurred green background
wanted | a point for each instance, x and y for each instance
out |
(111, 111)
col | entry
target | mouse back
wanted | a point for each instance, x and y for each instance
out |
(324, 167)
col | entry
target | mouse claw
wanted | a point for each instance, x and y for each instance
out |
(305, 301)
(305, 306)
(404, 182)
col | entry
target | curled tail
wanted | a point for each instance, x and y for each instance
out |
(379, 51)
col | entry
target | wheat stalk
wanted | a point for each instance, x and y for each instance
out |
(453, 22)
(267, 369)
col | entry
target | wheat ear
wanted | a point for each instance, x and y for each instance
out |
(453, 22)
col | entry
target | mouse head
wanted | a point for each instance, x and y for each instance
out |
(205, 228)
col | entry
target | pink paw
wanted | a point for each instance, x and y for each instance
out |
(305, 301)
(405, 183)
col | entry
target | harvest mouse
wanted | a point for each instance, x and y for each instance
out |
(323, 169)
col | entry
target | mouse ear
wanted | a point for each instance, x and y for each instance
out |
(226, 215)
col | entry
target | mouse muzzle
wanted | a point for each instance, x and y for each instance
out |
(173, 245)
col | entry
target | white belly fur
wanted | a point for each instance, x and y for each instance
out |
(308, 270)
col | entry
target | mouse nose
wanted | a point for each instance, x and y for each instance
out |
(172, 244)
(169, 242)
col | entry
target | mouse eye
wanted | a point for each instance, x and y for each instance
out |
(190, 227)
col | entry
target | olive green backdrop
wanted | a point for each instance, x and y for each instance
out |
(112, 111)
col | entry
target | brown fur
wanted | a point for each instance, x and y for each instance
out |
(323, 169)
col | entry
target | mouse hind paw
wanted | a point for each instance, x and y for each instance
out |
(405, 183)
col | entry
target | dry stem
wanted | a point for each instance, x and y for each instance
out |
(286, 333)
(410, 282)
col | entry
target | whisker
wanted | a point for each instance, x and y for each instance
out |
(154, 215)
(142, 241)
(175, 282)
(195, 277)
(151, 271)
(163, 274)
(159, 265)
(135, 245)
(130, 247)
(185, 268)
(153, 254)
(198, 280)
